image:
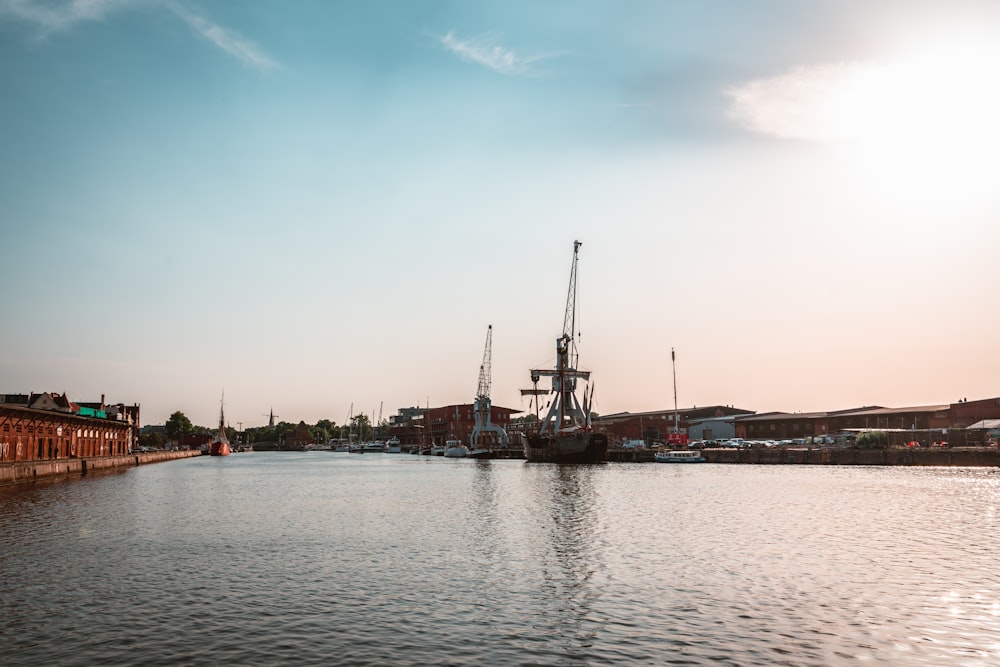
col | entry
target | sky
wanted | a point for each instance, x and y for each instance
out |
(319, 207)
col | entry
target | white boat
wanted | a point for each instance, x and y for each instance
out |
(392, 446)
(373, 447)
(454, 449)
(679, 457)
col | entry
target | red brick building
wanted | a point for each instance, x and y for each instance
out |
(437, 425)
(40, 427)
(298, 439)
(657, 425)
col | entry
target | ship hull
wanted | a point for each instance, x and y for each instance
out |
(220, 449)
(573, 448)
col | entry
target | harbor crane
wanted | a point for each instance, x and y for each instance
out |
(483, 406)
(565, 412)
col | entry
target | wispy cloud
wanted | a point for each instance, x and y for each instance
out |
(239, 47)
(487, 51)
(49, 18)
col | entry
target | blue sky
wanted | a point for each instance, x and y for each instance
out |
(314, 204)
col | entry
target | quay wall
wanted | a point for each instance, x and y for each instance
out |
(938, 456)
(30, 471)
(864, 457)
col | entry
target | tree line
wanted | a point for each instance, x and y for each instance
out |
(324, 430)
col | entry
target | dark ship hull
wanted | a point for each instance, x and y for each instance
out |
(569, 448)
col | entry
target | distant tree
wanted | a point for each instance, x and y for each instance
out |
(261, 434)
(872, 440)
(323, 430)
(178, 425)
(361, 425)
(151, 440)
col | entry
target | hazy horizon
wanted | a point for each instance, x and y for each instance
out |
(313, 205)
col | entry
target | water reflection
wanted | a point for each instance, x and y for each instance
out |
(563, 501)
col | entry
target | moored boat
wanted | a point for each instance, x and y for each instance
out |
(583, 447)
(220, 443)
(692, 456)
(566, 434)
(454, 449)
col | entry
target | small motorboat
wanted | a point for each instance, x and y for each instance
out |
(679, 457)
(454, 449)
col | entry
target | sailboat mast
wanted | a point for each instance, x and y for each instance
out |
(673, 363)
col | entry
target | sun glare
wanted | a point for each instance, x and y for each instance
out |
(924, 126)
(929, 122)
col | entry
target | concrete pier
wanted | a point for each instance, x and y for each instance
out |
(922, 456)
(30, 471)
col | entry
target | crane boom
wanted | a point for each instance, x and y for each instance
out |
(483, 406)
(485, 380)
(569, 319)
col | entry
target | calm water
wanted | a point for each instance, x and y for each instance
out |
(325, 558)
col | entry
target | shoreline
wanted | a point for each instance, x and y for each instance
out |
(935, 456)
(21, 472)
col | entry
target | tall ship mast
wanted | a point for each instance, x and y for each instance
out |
(220, 444)
(565, 435)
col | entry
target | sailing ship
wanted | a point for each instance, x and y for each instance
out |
(220, 443)
(566, 434)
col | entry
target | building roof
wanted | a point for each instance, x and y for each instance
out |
(869, 410)
(686, 413)
(986, 424)
(896, 411)
(772, 416)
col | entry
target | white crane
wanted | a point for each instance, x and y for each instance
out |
(483, 406)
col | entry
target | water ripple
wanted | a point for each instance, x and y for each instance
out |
(323, 558)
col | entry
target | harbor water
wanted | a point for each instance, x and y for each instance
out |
(325, 558)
